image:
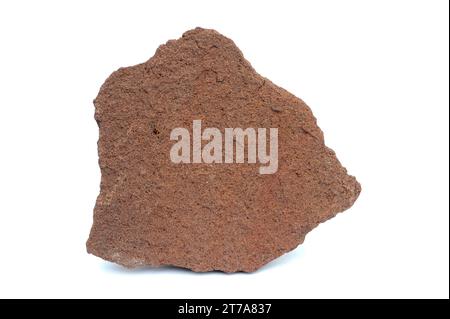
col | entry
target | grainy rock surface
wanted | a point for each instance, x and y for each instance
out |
(227, 217)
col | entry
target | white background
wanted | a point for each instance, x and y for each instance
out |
(375, 74)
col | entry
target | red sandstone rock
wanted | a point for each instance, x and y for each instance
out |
(206, 217)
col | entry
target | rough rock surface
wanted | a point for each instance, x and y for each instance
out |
(227, 217)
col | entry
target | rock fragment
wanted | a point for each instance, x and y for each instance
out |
(206, 216)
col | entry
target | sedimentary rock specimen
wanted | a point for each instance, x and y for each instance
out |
(199, 212)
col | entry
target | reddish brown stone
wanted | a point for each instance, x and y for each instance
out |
(206, 217)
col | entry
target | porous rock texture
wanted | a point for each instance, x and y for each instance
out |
(227, 217)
